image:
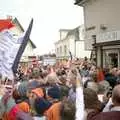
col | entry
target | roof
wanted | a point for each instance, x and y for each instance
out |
(15, 21)
(74, 31)
(80, 2)
(65, 30)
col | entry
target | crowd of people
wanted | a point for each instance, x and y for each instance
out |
(49, 93)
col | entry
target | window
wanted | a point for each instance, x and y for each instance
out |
(57, 50)
(65, 49)
(60, 49)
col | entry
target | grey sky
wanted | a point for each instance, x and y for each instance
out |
(49, 16)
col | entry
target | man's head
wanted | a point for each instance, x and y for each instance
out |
(53, 93)
(92, 85)
(52, 79)
(116, 95)
(114, 71)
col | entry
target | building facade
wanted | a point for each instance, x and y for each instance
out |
(102, 30)
(71, 41)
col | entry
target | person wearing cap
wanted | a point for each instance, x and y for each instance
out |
(53, 96)
(20, 96)
(41, 105)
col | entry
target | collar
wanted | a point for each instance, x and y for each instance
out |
(117, 108)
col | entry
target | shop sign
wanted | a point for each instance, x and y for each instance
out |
(107, 37)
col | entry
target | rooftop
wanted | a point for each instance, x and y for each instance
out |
(74, 31)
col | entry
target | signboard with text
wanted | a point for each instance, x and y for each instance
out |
(108, 36)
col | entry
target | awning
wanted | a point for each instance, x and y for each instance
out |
(107, 43)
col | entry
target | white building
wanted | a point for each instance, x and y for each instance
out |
(102, 25)
(29, 50)
(71, 41)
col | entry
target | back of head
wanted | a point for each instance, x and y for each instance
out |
(22, 88)
(68, 111)
(51, 79)
(64, 92)
(116, 95)
(41, 105)
(103, 86)
(93, 85)
(54, 92)
(91, 99)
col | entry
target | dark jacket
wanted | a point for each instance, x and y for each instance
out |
(113, 115)
(111, 79)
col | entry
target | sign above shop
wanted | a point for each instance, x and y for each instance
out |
(108, 36)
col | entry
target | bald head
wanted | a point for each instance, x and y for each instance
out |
(116, 95)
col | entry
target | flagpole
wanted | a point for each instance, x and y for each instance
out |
(22, 47)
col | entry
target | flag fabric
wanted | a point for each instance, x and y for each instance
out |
(11, 49)
(22, 47)
(5, 24)
(79, 98)
(8, 52)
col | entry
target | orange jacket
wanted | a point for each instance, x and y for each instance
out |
(24, 107)
(53, 113)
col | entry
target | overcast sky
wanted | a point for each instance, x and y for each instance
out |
(49, 16)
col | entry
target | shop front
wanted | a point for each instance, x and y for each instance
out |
(108, 49)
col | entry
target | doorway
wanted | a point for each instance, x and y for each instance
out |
(111, 58)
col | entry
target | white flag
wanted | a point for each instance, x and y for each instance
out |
(9, 46)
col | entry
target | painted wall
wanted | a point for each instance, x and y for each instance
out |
(74, 44)
(98, 13)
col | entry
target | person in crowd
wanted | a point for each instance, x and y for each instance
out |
(20, 96)
(118, 77)
(92, 85)
(100, 74)
(53, 96)
(67, 111)
(32, 94)
(72, 91)
(64, 93)
(41, 106)
(114, 108)
(52, 80)
(111, 77)
(91, 102)
(11, 108)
